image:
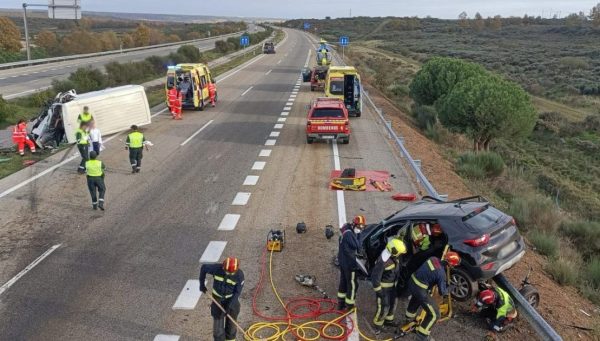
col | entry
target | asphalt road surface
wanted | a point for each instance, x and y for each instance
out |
(212, 186)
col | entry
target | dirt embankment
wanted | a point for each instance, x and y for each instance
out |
(561, 306)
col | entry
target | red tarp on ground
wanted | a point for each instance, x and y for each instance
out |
(379, 176)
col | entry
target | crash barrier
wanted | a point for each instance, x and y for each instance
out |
(106, 53)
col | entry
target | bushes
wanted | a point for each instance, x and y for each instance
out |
(425, 116)
(128, 73)
(563, 270)
(545, 243)
(593, 272)
(481, 165)
(190, 53)
(535, 211)
(87, 79)
(585, 234)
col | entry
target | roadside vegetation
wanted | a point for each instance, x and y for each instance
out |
(513, 103)
(53, 38)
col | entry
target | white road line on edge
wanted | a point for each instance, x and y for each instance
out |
(196, 133)
(259, 165)
(274, 134)
(248, 90)
(265, 152)
(270, 142)
(241, 199)
(229, 222)
(213, 252)
(28, 268)
(163, 337)
(268, 72)
(189, 296)
(251, 180)
(278, 125)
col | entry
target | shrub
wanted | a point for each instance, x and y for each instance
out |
(480, 165)
(425, 115)
(62, 86)
(190, 53)
(546, 243)
(158, 64)
(88, 79)
(7, 111)
(585, 234)
(563, 270)
(593, 272)
(221, 46)
(535, 212)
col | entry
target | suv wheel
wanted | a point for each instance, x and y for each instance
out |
(464, 285)
(309, 140)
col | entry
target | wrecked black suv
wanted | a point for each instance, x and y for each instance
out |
(486, 238)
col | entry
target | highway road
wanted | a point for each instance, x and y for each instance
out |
(212, 186)
(26, 80)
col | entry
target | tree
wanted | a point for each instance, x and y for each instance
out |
(463, 20)
(573, 20)
(497, 23)
(47, 40)
(478, 23)
(486, 107)
(595, 15)
(438, 77)
(80, 41)
(10, 36)
(190, 53)
(109, 41)
(127, 40)
(141, 35)
(173, 38)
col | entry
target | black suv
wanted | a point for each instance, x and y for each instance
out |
(487, 240)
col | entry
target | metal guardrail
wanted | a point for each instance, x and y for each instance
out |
(107, 53)
(537, 322)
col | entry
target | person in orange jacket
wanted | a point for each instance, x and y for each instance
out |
(20, 138)
(212, 93)
(175, 102)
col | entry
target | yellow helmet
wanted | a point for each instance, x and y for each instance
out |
(396, 247)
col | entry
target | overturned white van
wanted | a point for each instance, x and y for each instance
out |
(113, 109)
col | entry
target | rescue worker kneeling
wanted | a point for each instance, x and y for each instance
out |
(384, 277)
(497, 307)
(428, 275)
(227, 287)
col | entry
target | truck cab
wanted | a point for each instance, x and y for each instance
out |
(192, 80)
(343, 82)
(328, 120)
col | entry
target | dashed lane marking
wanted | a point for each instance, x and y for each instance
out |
(164, 337)
(241, 199)
(293, 96)
(285, 113)
(196, 133)
(289, 103)
(274, 134)
(281, 119)
(265, 152)
(248, 90)
(278, 126)
(189, 296)
(213, 251)
(259, 165)
(270, 142)
(268, 72)
(28, 268)
(251, 180)
(287, 108)
(229, 221)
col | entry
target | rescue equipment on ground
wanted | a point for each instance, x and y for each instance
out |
(301, 227)
(275, 240)
(310, 281)
(349, 184)
(404, 197)
(329, 232)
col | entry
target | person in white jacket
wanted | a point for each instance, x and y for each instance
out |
(96, 137)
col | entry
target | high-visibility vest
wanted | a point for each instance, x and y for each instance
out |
(85, 117)
(93, 168)
(136, 140)
(19, 131)
(83, 140)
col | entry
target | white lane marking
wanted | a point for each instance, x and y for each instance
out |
(265, 153)
(164, 337)
(287, 108)
(2, 78)
(25, 74)
(259, 165)
(341, 203)
(248, 90)
(293, 96)
(278, 126)
(251, 180)
(336, 156)
(289, 103)
(53, 69)
(196, 133)
(229, 222)
(28, 268)
(270, 142)
(213, 252)
(295, 92)
(15, 76)
(11, 96)
(34, 72)
(285, 113)
(160, 112)
(241, 199)
(189, 296)
(279, 62)
(274, 134)
(268, 72)
(281, 119)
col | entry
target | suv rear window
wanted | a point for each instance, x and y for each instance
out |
(483, 219)
(322, 113)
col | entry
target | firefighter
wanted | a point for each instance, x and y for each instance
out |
(175, 102)
(496, 305)
(384, 277)
(95, 180)
(428, 275)
(212, 93)
(82, 137)
(135, 145)
(349, 246)
(85, 116)
(20, 138)
(420, 236)
(228, 282)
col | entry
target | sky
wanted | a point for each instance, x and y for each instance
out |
(334, 8)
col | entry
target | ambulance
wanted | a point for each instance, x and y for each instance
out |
(192, 80)
(343, 82)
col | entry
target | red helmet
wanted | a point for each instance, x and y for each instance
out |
(231, 264)
(452, 258)
(436, 230)
(487, 296)
(359, 220)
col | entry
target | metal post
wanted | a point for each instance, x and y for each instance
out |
(343, 53)
(26, 31)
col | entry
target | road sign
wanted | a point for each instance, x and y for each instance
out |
(244, 40)
(344, 41)
(64, 9)
(306, 25)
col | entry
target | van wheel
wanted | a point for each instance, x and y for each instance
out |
(358, 114)
(310, 140)
(531, 295)
(201, 107)
(464, 285)
(346, 140)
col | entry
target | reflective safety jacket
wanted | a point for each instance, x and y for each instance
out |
(226, 286)
(19, 133)
(94, 168)
(135, 140)
(349, 246)
(84, 117)
(82, 136)
(504, 303)
(429, 274)
(385, 271)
